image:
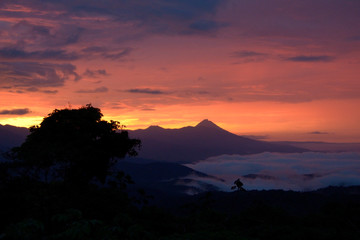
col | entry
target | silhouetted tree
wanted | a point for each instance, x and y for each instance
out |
(238, 185)
(78, 143)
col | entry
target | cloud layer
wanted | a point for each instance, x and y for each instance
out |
(96, 90)
(298, 171)
(145, 90)
(302, 58)
(25, 75)
(18, 111)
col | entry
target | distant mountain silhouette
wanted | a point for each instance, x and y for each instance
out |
(184, 145)
(206, 139)
(11, 136)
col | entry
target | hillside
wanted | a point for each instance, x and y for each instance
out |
(162, 178)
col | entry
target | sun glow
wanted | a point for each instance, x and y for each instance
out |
(22, 121)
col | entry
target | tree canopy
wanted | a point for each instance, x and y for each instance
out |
(78, 142)
(238, 185)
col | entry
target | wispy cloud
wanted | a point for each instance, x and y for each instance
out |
(13, 53)
(19, 111)
(318, 132)
(96, 90)
(246, 54)
(145, 91)
(25, 75)
(95, 73)
(50, 91)
(304, 58)
(104, 52)
(51, 35)
(118, 55)
(36, 89)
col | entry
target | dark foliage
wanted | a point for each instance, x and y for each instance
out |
(77, 143)
(238, 185)
(37, 210)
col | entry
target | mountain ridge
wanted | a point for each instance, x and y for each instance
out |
(206, 139)
(11, 136)
(183, 145)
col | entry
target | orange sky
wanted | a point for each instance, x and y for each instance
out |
(279, 70)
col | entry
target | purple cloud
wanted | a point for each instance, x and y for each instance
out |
(13, 53)
(145, 90)
(247, 54)
(303, 58)
(318, 132)
(156, 17)
(104, 52)
(25, 75)
(95, 73)
(18, 111)
(96, 90)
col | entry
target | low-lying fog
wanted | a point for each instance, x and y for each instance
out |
(296, 171)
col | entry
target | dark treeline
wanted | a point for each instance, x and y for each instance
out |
(37, 210)
(59, 185)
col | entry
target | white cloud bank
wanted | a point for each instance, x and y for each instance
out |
(296, 171)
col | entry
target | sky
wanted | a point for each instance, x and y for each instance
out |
(276, 70)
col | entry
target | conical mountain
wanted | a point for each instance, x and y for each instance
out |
(206, 123)
(206, 139)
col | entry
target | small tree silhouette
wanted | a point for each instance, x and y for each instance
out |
(78, 142)
(238, 185)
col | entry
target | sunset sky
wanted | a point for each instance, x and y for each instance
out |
(276, 70)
